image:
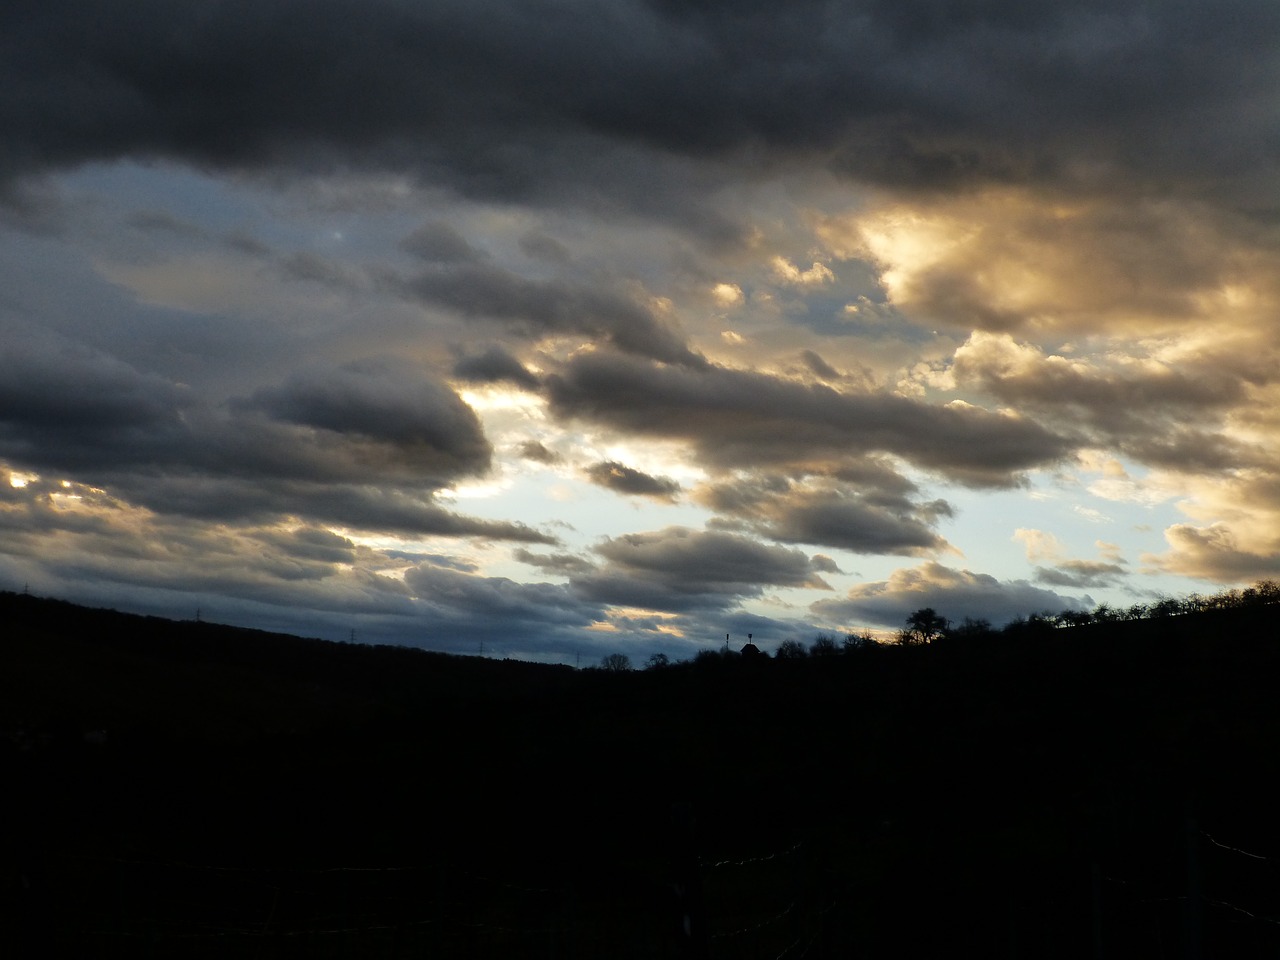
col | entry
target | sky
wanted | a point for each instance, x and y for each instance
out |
(552, 329)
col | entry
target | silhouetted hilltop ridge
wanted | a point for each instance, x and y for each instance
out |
(103, 667)
(1039, 784)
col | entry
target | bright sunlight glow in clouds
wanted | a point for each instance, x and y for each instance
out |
(576, 328)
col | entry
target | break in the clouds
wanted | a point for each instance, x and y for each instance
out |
(961, 593)
(630, 324)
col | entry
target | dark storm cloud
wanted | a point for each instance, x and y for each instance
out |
(743, 418)
(955, 594)
(495, 365)
(409, 416)
(620, 478)
(364, 445)
(491, 96)
(679, 569)
(70, 406)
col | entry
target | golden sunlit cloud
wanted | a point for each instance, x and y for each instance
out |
(1010, 259)
(1040, 546)
(727, 295)
(787, 271)
(1091, 514)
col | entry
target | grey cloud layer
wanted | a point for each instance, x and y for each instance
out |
(536, 307)
(496, 97)
(590, 202)
(739, 418)
(627, 480)
(866, 520)
(365, 445)
(1160, 413)
(679, 569)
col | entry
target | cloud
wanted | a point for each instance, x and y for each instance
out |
(1215, 553)
(788, 272)
(627, 480)
(955, 594)
(563, 564)
(1039, 544)
(439, 242)
(312, 543)
(1028, 262)
(254, 252)
(495, 365)
(533, 308)
(496, 604)
(363, 444)
(548, 249)
(536, 451)
(819, 366)
(303, 578)
(522, 101)
(1136, 399)
(820, 511)
(680, 569)
(737, 418)
(1063, 572)
(1081, 574)
(104, 543)
(405, 417)
(356, 506)
(727, 295)
(68, 405)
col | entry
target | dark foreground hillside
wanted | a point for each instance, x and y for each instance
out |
(184, 789)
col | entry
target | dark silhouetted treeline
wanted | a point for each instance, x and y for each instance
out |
(1049, 789)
